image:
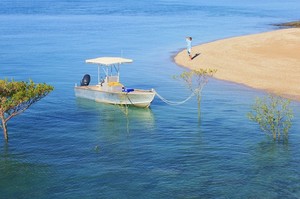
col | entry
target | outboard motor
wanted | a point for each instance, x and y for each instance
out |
(85, 80)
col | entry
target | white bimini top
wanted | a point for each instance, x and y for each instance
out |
(108, 60)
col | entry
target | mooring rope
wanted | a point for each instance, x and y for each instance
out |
(172, 102)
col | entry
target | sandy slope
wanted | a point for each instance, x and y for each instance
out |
(268, 61)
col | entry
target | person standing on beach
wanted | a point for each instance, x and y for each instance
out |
(189, 46)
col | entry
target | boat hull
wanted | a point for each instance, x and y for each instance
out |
(139, 98)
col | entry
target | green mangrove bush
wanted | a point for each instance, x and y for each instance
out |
(16, 97)
(274, 116)
(195, 80)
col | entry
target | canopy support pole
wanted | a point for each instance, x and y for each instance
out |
(98, 74)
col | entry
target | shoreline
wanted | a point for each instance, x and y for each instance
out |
(268, 61)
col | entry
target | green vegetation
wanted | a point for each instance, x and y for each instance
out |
(16, 97)
(195, 80)
(273, 115)
(295, 24)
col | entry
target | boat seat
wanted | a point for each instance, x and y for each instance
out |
(113, 79)
(115, 84)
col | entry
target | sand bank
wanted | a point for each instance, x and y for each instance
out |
(269, 61)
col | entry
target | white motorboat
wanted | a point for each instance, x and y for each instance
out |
(109, 89)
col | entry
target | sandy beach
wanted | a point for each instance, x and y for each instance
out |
(269, 61)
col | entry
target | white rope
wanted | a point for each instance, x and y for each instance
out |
(172, 102)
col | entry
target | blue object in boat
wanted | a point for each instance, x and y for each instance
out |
(128, 90)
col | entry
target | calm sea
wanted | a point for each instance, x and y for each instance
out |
(63, 147)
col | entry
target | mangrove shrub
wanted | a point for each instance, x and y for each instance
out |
(16, 97)
(273, 114)
(195, 80)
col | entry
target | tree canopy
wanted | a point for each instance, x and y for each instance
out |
(273, 114)
(17, 96)
(195, 80)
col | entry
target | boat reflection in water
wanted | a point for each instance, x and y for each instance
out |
(115, 118)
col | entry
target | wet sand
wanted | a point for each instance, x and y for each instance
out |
(269, 61)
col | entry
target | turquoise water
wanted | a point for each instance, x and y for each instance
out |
(63, 147)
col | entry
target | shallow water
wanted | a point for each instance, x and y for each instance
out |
(63, 147)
